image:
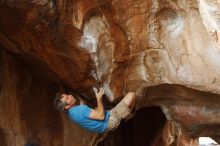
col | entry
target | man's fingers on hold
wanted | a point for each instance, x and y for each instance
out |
(95, 90)
(102, 90)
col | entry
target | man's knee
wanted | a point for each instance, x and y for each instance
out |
(129, 99)
(132, 94)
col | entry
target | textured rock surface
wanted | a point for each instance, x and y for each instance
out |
(26, 109)
(124, 45)
(171, 135)
(23, 109)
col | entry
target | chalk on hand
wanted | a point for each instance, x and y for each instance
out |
(95, 90)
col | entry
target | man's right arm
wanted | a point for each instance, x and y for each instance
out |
(99, 112)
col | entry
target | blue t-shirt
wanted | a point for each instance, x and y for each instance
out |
(80, 115)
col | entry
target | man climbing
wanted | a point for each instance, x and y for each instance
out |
(96, 120)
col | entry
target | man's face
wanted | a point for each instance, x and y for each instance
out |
(70, 100)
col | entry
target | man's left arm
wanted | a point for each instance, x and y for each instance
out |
(99, 112)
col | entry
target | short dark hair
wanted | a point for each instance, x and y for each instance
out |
(31, 143)
(58, 104)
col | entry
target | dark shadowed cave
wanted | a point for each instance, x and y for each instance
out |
(141, 130)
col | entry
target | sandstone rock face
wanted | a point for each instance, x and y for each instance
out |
(23, 108)
(27, 114)
(168, 52)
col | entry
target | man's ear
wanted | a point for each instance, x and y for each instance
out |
(67, 107)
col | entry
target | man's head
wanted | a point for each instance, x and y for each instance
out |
(64, 101)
